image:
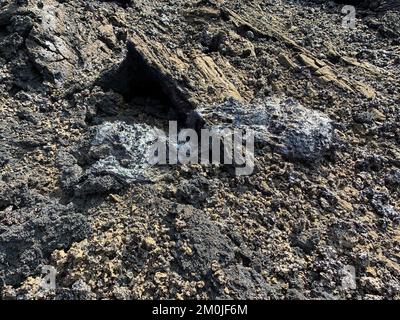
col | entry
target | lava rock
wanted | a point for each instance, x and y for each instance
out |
(307, 241)
(208, 245)
(370, 163)
(393, 179)
(381, 205)
(119, 156)
(290, 129)
(194, 191)
(245, 283)
(30, 234)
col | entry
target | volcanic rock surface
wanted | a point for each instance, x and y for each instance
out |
(84, 85)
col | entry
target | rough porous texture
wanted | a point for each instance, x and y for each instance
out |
(83, 86)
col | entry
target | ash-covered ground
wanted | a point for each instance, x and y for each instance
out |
(83, 84)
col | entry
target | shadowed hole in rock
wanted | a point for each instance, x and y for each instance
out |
(26, 77)
(4, 205)
(245, 261)
(3, 31)
(142, 84)
(15, 90)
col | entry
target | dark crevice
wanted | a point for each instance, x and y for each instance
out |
(3, 31)
(140, 83)
(4, 205)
